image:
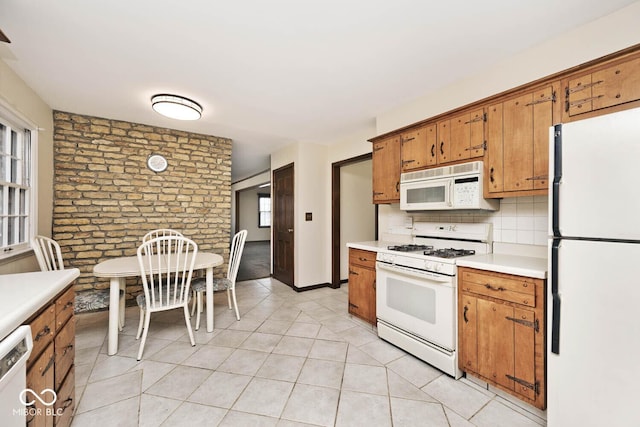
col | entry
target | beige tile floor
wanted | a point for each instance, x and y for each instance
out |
(294, 359)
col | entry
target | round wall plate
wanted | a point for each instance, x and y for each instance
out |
(157, 163)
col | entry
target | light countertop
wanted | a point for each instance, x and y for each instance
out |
(511, 258)
(23, 294)
(373, 246)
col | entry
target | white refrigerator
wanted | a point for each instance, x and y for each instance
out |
(593, 300)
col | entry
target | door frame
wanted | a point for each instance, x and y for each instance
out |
(335, 215)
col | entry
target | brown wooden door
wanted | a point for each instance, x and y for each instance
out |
(467, 135)
(283, 222)
(468, 331)
(524, 356)
(443, 150)
(362, 295)
(418, 148)
(620, 84)
(386, 170)
(495, 342)
(494, 158)
(543, 100)
(518, 143)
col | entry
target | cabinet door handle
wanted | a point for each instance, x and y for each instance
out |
(493, 288)
(398, 186)
(407, 140)
(67, 305)
(537, 178)
(49, 365)
(44, 332)
(67, 349)
(374, 285)
(433, 148)
(353, 272)
(464, 314)
(491, 176)
(442, 147)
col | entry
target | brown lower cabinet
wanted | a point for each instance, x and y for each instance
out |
(362, 284)
(501, 332)
(51, 365)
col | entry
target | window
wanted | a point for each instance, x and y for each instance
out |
(264, 210)
(16, 198)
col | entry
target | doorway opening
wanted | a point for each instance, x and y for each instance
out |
(253, 213)
(354, 217)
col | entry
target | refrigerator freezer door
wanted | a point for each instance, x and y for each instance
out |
(593, 381)
(599, 187)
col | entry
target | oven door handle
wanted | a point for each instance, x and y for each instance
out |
(434, 277)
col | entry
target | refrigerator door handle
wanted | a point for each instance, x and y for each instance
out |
(557, 177)
(555, 314)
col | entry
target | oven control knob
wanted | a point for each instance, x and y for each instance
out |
(438, 267)
(428, 265)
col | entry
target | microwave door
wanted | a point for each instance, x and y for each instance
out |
(426, 195)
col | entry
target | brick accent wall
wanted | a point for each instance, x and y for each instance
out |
(106, 199)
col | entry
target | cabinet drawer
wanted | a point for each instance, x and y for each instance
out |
(43, 328)
(65, 351)
(65, 401)
(364, 258)
(64, 307)
(516, 289)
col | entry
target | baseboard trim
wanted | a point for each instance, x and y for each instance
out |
(309, 288)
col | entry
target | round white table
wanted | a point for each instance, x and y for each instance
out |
(118, 269)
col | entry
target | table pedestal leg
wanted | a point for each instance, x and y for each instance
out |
(114, 313)
(209, 299)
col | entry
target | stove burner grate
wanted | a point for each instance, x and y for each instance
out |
(410, 248)
(449, 252)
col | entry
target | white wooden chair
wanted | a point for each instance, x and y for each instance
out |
(199, 286)
(49, 256)
(166, 267)
(161, 232)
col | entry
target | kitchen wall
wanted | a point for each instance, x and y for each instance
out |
(521, 220)
(18, 97)
(106, 198)
(601, 37)
(357, 211)
(515, 221)
(311, 238)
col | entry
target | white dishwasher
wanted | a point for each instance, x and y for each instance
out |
(14, 352)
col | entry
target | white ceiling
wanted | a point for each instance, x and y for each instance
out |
(268, 73)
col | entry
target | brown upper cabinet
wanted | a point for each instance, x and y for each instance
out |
(418, 148)
(386, 170)
(517, 157)
(467, 135)
(604, 87)
(509, 130)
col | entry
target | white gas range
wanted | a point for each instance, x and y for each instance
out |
(416, 298)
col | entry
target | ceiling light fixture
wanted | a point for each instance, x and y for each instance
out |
(176, 107)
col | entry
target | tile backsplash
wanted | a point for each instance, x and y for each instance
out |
(521, 220)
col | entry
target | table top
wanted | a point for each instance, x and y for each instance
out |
(128, 266)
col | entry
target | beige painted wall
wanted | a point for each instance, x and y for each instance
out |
(357, 211)
(601, 37)
(16, 95)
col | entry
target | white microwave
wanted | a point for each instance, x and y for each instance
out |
(445, 188)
